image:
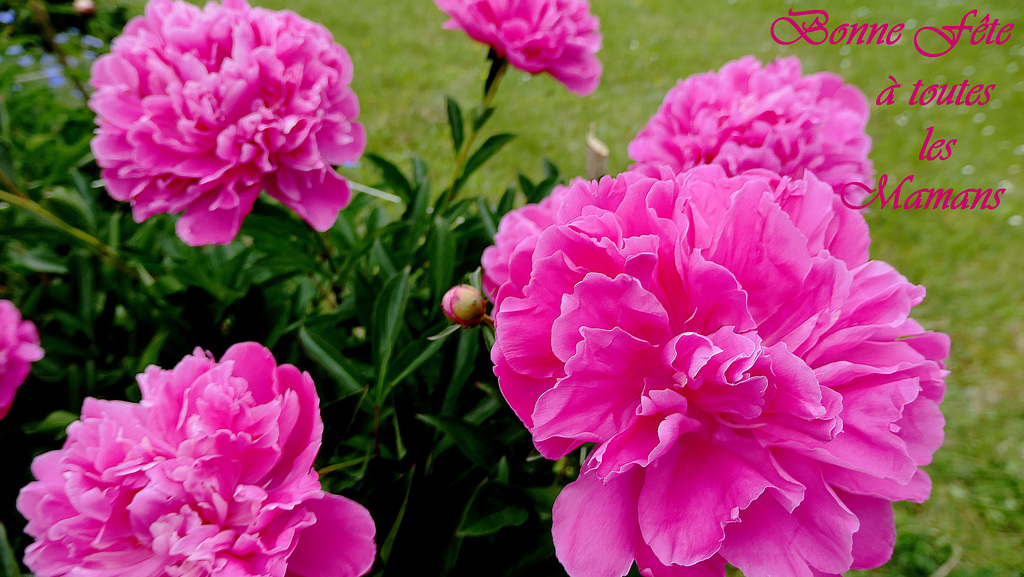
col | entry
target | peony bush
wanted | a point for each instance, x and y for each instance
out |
(662, 372)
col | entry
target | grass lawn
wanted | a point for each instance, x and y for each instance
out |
(972, 262)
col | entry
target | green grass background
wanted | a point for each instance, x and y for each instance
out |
(972, 262)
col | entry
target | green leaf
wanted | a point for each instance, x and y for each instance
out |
(84, 189)
(393, 177)
(114, 230)
(39, 259)
(399, 446)
(488, 333)
(511, 516)
(343, 233)
(8, 562)
(501, 472)
(484, 409)
(481, 116)
(427, 350)
(476, 279)
(389, 542)
(71, 208)
(444, 332)
(455, 122)
(507, 202)
(331, 359)
(538, 192)
(416, 213)
(86, 274)
(465, 362)
(6, 158)
(419, 171)
(441, 252)
(386, 324)
(526, 185)
(550, 170)
(55, 422)
(276, 232)
(487, 217)
(489, 148)
(470, 439)
(544, 496)
(235, 272)
(151, 354)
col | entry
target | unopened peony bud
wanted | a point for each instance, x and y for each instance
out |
(84, 7)
(464, 305)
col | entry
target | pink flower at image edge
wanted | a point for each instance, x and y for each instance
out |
(201, 109)
(19, 348)
(211, 473)
(753, 385)
(559, 37)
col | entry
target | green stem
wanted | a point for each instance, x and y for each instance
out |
(467, 145)
(102, 250)
(43, 17)
(339, 466)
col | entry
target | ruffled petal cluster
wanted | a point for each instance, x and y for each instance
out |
(210, 474)
(201, 109)
(19, 347)
(559, 37)
(752, 384)
(747, 116)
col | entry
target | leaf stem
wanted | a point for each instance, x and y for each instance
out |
(43, 17)
(19, 199)
(498, 69)
(343, 465)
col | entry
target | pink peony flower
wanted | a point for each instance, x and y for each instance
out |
(753, 386)
(516, 227)
(200, 110)
(211, 474)
(745, 116)
(559, 37)
(19, 347)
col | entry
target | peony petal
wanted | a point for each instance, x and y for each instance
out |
(601, 392)
(815, 537)
(708, 485)
(874, 541)
(202, 224)
(339, 544)
(317, 195)
(594, 525)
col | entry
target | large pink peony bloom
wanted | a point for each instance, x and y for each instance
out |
(559, 37)
(517, 227)
(753, 386)
(211, 474)
(19, 347)
(200, 110)
(745, 116)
